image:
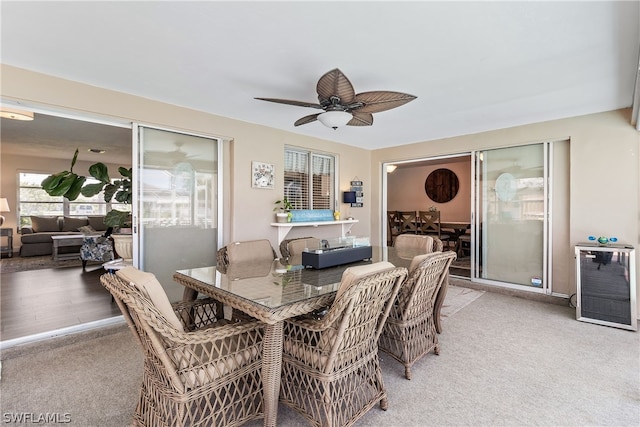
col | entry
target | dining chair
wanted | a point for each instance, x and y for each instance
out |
(407, 246)
(291, 249)
(412, 244)
(330, 368)
(245, 251)
(408, 222)
(393, 224)
(429, 224)
(410, 330)
(198, 370)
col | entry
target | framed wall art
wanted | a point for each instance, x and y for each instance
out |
(262, 175)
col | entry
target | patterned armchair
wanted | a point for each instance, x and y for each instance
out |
(96, 248)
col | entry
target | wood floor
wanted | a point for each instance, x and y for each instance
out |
(39, 301)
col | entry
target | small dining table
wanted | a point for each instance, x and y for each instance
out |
(455, 230)
(273, 292)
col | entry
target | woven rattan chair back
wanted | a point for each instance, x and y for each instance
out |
(410, 330)
(330, 372)
(189, 374)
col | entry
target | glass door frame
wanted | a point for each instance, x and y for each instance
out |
(547, 285)
(477, 238)
(138, 249)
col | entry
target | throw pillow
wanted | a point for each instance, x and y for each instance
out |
(72, 224)
(86, 229)
(41, 224)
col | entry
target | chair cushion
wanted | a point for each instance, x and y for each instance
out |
(44, 224)
(150, 287)
(226, 356)
(250, 251)
(72, 224)
(352, 274)
(96, 248)
(422, 243)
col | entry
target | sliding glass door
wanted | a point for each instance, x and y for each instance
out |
(178, 208)
(510, 226)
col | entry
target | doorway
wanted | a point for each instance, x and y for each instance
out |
(518, 191)
(41, 295)
(422, 184)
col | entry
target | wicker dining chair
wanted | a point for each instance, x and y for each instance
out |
(198, 370)
(291, 249)
(330, 369)
(407, 246)
(410, 330)
(244, 251)
(413, 243)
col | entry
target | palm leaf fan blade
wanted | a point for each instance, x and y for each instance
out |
(335, 83)
(306, 119)
(377, 101)
(292, 102)
(361, 119)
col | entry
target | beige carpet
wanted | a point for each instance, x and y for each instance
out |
(504, 361)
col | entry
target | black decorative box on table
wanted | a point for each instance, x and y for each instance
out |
(323, 258)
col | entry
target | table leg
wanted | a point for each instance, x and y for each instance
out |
(189, 294)
(55, 250)
(271, 371)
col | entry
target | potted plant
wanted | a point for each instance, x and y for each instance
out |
(283, 210)
(70, 185)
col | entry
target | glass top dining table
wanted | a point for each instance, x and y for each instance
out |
(272, 292)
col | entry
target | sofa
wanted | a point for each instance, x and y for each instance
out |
(36, 239)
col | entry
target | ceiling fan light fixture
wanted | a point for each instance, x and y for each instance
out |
(391, 168)
(335, 119)
(14, 114)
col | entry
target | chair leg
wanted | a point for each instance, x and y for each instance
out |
(84, 264)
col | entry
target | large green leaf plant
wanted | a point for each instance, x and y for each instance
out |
(71, 185)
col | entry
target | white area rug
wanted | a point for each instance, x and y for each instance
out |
(457, 298)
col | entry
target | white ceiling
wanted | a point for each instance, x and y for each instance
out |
(474, 66)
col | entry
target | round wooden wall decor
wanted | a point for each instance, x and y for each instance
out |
(441, 185)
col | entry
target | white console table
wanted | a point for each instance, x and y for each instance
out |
(285, 227)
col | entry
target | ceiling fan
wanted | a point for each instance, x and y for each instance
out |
(175, 155)
(342, 106)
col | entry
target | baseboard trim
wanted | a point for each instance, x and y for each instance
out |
(535, 296)
(60, 337)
